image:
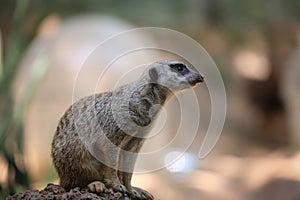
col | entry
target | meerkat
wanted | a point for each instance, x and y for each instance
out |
(98, 138)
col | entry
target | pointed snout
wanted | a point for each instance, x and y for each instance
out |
(195, 78)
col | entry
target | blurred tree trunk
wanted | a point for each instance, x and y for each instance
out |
(273, 20)
(265, 95)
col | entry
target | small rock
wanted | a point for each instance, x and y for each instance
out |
(56, 192)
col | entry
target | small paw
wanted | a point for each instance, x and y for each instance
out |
(96, 187)
(141, 194)
(134, 194)
(117, 187)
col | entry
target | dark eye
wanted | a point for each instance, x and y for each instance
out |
(181, 68)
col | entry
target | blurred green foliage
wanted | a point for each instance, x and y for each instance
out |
(16, 39)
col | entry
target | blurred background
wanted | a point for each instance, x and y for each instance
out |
(255, 44)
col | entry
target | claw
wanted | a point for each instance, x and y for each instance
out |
(141, 194)
(134, 194)
(117, 187)
(96, 187)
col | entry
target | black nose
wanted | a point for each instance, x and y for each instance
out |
(195, 78)
(201, 78)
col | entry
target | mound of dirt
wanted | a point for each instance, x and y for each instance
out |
(56, 192)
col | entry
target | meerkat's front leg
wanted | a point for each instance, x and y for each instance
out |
(107, 170)
(127, 162)
(110, 173)
(126, 166)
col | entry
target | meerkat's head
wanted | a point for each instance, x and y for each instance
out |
(174, 75)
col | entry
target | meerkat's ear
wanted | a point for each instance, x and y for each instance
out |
(153, 75)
